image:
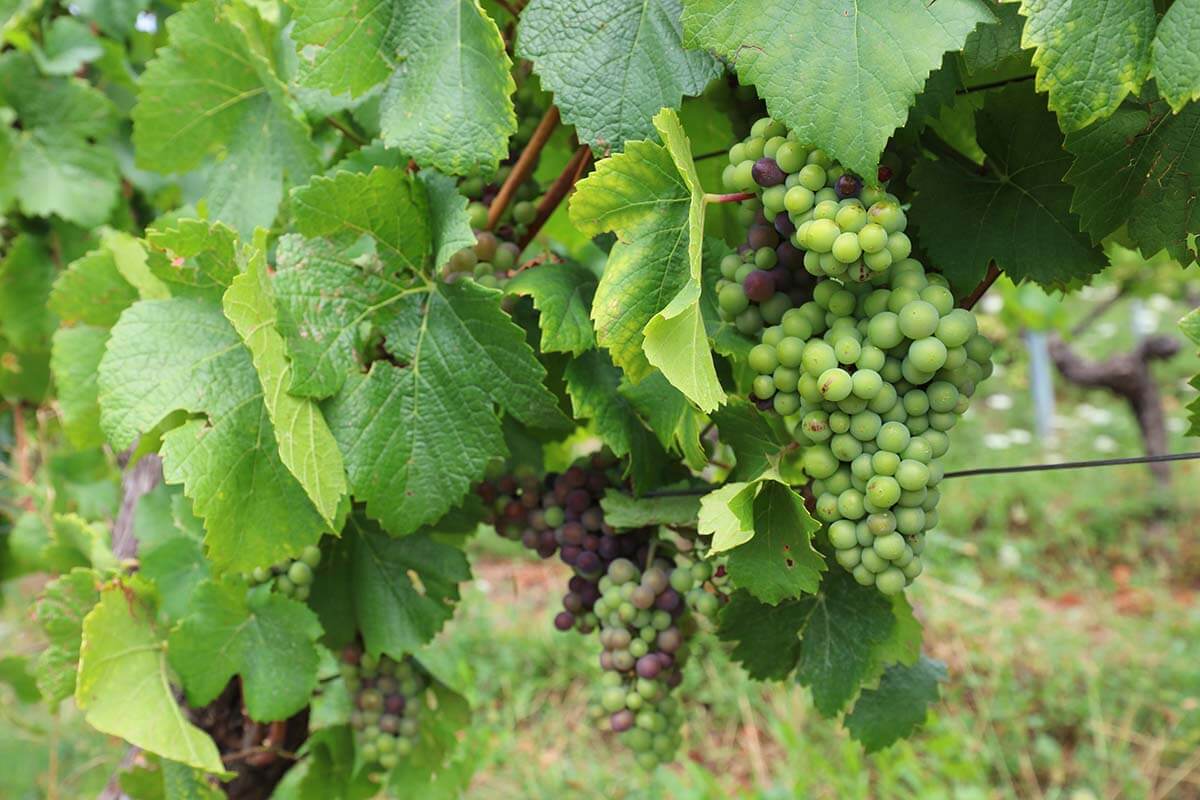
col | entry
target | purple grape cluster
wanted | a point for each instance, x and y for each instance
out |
(388, 698)
(561, 515)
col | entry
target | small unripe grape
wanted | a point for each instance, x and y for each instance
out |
(890, 581)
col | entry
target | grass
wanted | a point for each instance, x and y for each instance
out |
(1064, 604)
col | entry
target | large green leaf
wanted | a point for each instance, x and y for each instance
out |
(612, 64)
(830, 638)
(562, 293)
(386, 204)
(446, 97)
(213, 91)
(1176, 57)
(647, 305)
(398, 592)
(1140, 168)
(306, 446)
(415, 431)
(779, 562)
(182, 354)
(124, 686)
(57, 159)
(898, 706)
(843, 76)
(1016, 211)
(266, 638)
(1090, 54)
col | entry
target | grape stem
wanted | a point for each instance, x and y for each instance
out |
(346, 130)
(558, 190)
(993, 272)
(735, 197)
(524, 166)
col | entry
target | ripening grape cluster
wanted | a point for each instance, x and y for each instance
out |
(644, 630)
(388, 698)
(877, 365)
(561, 514)
(493, 258)
(292, 578)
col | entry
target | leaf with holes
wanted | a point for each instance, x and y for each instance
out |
(779, 561)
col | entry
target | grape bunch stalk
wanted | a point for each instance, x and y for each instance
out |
(291, 578)
(560, 514)
(873, 370)
(388, 699)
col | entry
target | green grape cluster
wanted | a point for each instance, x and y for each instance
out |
(388, 699)
(292, 578)
(879, 374)
(645, 625)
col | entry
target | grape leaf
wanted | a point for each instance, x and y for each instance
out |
(841, 76)
(647, 309)
(306, 446)
(839, 629)
(213, 90)
(386, 204)
(266, 638)
(124, 688)
(59, 160)
(612, 65)
(1176, 59)
(26, 277)
(90, 296)
(623, 511)
(177, 566)
(193, 258)
(416, 432)
(399, 591)
(766, 638)
(1017, 212)
(75, 542)
(677, 423)
(592, 383)
(327, 773)
(779, 562)
(182, 354)
(562, 293)
(898, 706)
(757, 439)
(446, 99)
(1140, 168)
(1089, 55)
(990, 47)
(727, 515)
(1190, 325)
(60, 611)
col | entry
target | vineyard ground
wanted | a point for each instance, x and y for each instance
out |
(1071, 637)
